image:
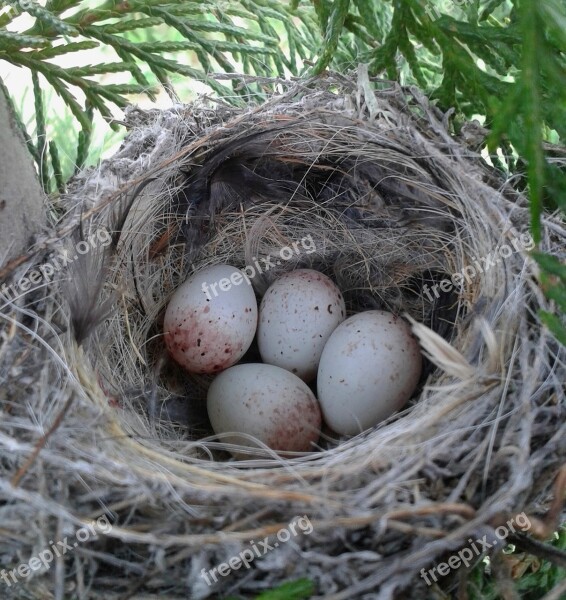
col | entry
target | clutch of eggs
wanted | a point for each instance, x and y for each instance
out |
(366, 367)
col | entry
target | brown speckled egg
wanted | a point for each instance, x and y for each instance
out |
(368, 370)
(267, 402)
(297, 314)
(211, 320)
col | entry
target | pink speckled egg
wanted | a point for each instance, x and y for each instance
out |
(368, 370)
(211, 319)
(297, 314)
(267, 402)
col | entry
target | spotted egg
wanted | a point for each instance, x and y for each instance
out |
(266, 402)
(211, 319)
(368, 370)
(297, 314)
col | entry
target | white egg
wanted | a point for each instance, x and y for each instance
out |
(211, 319)
(267, 402)
(368, 370)
(297, 314)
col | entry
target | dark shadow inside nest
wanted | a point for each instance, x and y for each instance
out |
(371, 197)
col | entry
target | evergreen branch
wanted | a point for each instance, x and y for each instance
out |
(135, 71)
(551, 265)
(533, 151)
(310, 32)
(229, 29)
(84, 139)
(102, 69)
(497, 55)
(95, 94)
(384, 58)
(235, 47)
(54, 71)
(42, 164)
(110, 9)
(164, 80)
(46, 21)
(92, 91)
(114, 92)
(56, 165)
(9, 15)
(334, 23)
(54, 51)
(154, 60)
(405, 45)
(356, 26)
(291, 63)
(219, 45)
(59, 6)
(280, 60)
(62, 91)
(555, 324)
(19, 123)
(166, 46)
(132, 24)
(323, 9)
(489, 8)
(203, 49)
(20, 40)
(368, 17)
(235, 11)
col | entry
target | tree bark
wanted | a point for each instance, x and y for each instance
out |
(22, 208)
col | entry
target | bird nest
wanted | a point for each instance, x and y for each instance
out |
(105, 442)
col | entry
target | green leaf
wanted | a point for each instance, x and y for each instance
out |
(551, 264)
(301, 589)
(558, 294)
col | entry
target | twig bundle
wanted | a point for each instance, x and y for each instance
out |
(404, 217)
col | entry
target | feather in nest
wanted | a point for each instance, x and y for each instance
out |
(88, 270)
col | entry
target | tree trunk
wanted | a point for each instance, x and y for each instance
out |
(22, 210)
